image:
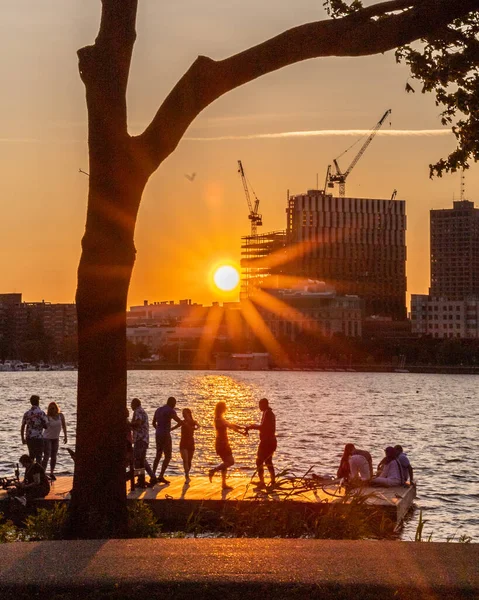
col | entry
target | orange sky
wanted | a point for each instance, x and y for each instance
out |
(185, 227)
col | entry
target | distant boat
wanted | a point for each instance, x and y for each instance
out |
(27, 367)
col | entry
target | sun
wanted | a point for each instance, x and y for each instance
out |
(226, 278)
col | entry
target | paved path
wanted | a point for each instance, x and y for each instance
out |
(239, 569)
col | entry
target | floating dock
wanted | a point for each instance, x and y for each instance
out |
(175, 504)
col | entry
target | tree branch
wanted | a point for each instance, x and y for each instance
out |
(357, 34)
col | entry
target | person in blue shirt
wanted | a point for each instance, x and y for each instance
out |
(162, 424)
(403, 460)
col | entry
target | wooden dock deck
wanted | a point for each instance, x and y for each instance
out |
(175, 502)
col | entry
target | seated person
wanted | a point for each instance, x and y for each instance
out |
(355, 464)
(403, 460)
(391, 473)
(35, 483)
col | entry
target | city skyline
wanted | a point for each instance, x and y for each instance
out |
(188, 225)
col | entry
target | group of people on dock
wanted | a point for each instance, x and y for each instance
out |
(41, 432)
(138, 441)
(357, 467)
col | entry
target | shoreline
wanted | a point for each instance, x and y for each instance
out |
(421, 369)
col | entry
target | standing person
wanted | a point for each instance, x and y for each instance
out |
(267, 442)
(403, 460)
(51, 437)
(33, 423)
(141, 441)
(162, 423)
(222, 446)
(187, 441)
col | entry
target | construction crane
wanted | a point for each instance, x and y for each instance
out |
(340, 176)
(255, 218)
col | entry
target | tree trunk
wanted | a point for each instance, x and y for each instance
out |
(117, 179)
(98, 505)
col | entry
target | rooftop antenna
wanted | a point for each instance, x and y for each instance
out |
(463, 186)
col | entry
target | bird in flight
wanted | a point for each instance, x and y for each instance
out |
(190, 177)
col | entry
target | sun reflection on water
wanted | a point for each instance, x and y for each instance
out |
(203, 392)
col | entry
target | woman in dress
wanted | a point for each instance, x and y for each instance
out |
(51, 437)
(187, 441)
(222, 446)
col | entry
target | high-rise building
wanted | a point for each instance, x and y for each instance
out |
(455, 252)
(355, 245)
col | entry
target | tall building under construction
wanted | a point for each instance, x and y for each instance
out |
(355, 245)
(262, 256)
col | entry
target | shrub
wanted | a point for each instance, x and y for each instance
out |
(8, 531)
(142, 522)
(46, 524)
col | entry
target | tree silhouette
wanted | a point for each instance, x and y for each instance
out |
(120, 166)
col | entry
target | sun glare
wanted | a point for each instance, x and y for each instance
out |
(226, 278)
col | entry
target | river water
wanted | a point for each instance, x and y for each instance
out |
(434, 417)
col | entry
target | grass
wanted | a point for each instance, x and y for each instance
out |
(348, 517)
(419, 536)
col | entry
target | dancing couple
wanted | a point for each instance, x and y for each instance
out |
(266, 448)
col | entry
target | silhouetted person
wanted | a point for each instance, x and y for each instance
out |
(141, 439)
(33, 423)
(267, 442)
(162, 424)
(222, 446)
(187, 440)
(35, 483)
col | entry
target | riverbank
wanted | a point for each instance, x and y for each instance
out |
(239, 569)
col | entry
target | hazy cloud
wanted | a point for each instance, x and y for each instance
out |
(325, 133)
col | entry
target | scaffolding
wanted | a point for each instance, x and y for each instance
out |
(260, 259)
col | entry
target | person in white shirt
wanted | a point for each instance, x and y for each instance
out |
(391, 473)
(51, 437)
(355, 464)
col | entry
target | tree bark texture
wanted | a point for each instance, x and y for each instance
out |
(120, 166)
(117, 180)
